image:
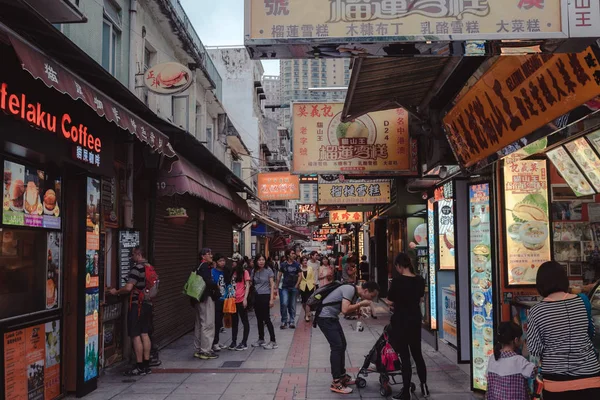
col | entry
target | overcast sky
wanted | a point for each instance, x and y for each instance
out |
(221, 23)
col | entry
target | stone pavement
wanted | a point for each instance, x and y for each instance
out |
(297, 370)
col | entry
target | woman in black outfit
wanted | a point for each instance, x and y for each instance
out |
(405, 295)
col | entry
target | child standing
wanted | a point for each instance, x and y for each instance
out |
(508, 372)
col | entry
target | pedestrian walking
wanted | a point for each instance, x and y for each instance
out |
(315, 263)
(264, 284)
(221, 279)
(241, 281)
(139, 317)
(326, 273)
(363, 269)
(508, 372)
(349, 271)
(343, 300)
(204, 329)
(288, 277)
(405, 296)
(307, 285)
(560, 331)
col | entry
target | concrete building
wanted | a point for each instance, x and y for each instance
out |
(272, 86)
(298, 76)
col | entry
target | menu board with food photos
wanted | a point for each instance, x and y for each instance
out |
(31, 197)
(570, 172)
(526, 219)
(587, 159)
(447, 258)
(482, 323)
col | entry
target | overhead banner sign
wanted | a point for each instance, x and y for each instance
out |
(516, 96)
(378, 20)
(278, 186)
(355, 192)
(375, 142)
(345, 217)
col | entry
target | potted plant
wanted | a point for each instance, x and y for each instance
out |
(176, 216)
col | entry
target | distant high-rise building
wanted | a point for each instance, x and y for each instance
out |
(272, 86)
(298, 76)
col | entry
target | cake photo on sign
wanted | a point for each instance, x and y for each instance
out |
(530, 226)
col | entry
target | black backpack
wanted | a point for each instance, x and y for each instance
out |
(315, 301)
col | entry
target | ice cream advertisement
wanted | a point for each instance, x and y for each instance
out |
(526, 219)
(30, 197)
(482, 323)
(446, 234)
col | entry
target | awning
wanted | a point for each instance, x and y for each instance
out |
(278, 227)
(182, 177)
(56, 76)
(379, 84)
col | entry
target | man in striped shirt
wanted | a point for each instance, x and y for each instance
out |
(140, 315)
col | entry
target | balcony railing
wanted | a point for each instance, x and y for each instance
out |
(207, 64)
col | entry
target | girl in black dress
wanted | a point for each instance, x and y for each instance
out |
(405, 296)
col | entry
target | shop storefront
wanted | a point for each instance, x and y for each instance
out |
(60, 160)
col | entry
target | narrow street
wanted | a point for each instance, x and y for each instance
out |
(289, 372)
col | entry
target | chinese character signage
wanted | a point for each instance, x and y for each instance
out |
(374, 142)
(278, 186)
(446, 234)
(300, 219)
(516, 96)
(345, 217)
(306, 208)
(526, 217)
(355, 192)
(168, 78)
(31, 197)
(482, 323)
(370, 20)
(432, 264)
(32, 359)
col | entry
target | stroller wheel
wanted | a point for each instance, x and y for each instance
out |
(413, 387)
(361, 383)
(385, 390)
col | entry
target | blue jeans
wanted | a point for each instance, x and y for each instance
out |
(288, 305)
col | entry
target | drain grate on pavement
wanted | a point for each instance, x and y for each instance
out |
(232, 364)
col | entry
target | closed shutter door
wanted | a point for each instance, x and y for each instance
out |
(218, 231)
(175, 256)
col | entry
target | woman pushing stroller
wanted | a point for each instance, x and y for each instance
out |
(405, 295)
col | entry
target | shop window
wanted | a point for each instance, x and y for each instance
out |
(237, 169)
(111, 37)
(209, 137)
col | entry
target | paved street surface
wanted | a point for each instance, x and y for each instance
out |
(298, 369)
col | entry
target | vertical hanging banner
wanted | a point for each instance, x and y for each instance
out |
(446, 234)
(278, 186)
(516, 96)
(345, 217)
(432, 264)
(92, 294)
(526, 220)
(373, 143)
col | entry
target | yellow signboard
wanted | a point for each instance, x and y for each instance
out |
(297, 20)
(345, 217)
(355, 192)
(516, 96)
(375, 142)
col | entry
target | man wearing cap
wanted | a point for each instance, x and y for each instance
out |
(204, 329)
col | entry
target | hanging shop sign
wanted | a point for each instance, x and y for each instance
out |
(526, 220)
(32, 358)
(570, 172)
(587, 160)
(446, 234)
(168, 78)
(314, 178)
(345, 217)
(300, 219)
(482, 304)
(31, 197)
(355, 21)
(373, 143)
(355, 192)
(128, 240)
(331, 231)
(92, 269)
(278, 186)
(516, 96)
(306, 208)
(432, 264)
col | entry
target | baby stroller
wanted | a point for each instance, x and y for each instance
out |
(383, 360)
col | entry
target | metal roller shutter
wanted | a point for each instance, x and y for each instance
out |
(175, 255)
(218, 231)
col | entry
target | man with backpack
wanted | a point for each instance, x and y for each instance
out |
(204, 330)
(328, 302)
(142, 283)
